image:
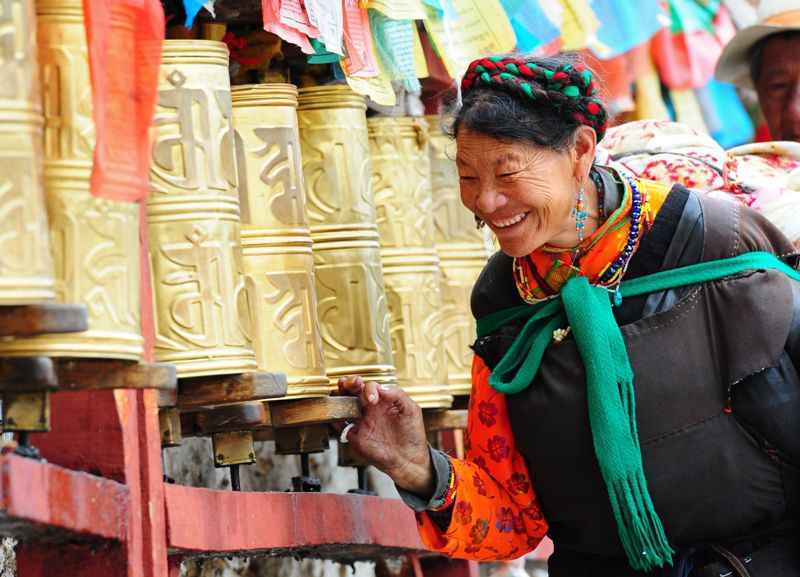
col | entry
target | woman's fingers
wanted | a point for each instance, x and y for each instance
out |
(351, 386)
(369, 395)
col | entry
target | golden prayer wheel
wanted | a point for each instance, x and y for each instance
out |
(401, 181)
(26, 266)
(452, 221)
(460, 264)
(202, 314)
(279, 272)
(415, 304)
(268, 156)
(95, 242)
(336, 162)
(352, 306)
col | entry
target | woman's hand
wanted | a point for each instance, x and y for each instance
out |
(391, 434)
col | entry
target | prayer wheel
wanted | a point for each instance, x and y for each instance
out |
(403, 201)
(336, 162)
(461, 265)
(202, 313)
(401, 181)
(462, 256)
(95, 242)
(276, 241)
(26, 266)
(352, 306)
(413, 290)
(353, 310)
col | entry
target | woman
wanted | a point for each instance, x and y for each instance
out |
(649, 425)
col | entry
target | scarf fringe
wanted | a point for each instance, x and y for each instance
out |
(638, 524)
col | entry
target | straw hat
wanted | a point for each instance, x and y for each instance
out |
(774, 17)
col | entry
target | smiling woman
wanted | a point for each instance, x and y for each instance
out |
(642, 434)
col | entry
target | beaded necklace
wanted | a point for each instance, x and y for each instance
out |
(603, 257)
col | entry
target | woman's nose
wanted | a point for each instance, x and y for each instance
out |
(490, 199)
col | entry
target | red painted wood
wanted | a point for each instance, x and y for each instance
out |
(154, 517)
(39, 560)
(46, 494)
(220, 521)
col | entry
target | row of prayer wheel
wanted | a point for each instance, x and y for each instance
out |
(287, 232)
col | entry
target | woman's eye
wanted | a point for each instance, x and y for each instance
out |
(468, 178)
(507, 174)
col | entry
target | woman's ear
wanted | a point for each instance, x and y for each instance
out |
(584, 151)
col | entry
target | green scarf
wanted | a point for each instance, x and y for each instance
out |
(609, 383)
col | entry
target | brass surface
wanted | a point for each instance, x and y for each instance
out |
(95, 241)
(460, 264)
(234, 448)
(353, 311)
(452, 221)
(26, 266)
(401, 181)
(336, 162)
(271, 185)
(279, 273)
(26, 411)
(201, 304)
(415, 304)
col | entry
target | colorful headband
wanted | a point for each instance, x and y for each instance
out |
(569, 88)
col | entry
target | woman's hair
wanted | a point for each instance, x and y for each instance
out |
(540, 100)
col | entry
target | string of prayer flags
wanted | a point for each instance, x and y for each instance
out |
(271, 11)
(394, 44)
(360, 59)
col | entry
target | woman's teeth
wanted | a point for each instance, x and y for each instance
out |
(509, 221)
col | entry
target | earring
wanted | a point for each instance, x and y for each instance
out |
(580, 213)
(479, 222)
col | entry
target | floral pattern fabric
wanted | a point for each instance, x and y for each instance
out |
(764, 176)
(495, 514)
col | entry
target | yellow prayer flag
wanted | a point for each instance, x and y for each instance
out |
(579, 24)
(378, 88)
(399, 9)
(477, 28)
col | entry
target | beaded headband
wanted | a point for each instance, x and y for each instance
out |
(569, 88)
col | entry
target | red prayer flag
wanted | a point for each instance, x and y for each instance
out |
(125, 39)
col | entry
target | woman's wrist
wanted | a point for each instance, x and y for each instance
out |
(417, 478)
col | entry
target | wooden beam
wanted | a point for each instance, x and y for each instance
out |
(339, 527)
(223, 389)
(237, 417)
(29, 320)
(314, 411)
(43, 501)
(76, 374)
(27, 374)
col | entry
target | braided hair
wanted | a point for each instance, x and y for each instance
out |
(539, 100)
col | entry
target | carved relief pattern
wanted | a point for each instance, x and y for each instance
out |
(92, 243)
(458, 325)
(67, 93)
(416, 328)
(453, 222)
(402, 189)
(24, 237)
(337, 169)
(200, 290)
(270, 176)
(353, 311)
(18, 72)
(194, 147)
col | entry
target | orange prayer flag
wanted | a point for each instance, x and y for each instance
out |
(124, 39)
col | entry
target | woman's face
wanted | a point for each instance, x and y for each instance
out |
(525, 193)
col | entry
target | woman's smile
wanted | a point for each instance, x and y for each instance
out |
(507, 223)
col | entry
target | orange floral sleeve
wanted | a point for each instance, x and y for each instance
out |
(495, 512)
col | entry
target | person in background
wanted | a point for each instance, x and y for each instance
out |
(766, 56)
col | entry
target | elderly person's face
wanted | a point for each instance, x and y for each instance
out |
(525, 193)
(778, 85)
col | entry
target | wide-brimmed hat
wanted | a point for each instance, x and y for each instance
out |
(774, 17)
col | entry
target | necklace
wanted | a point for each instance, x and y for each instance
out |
(603, 257)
